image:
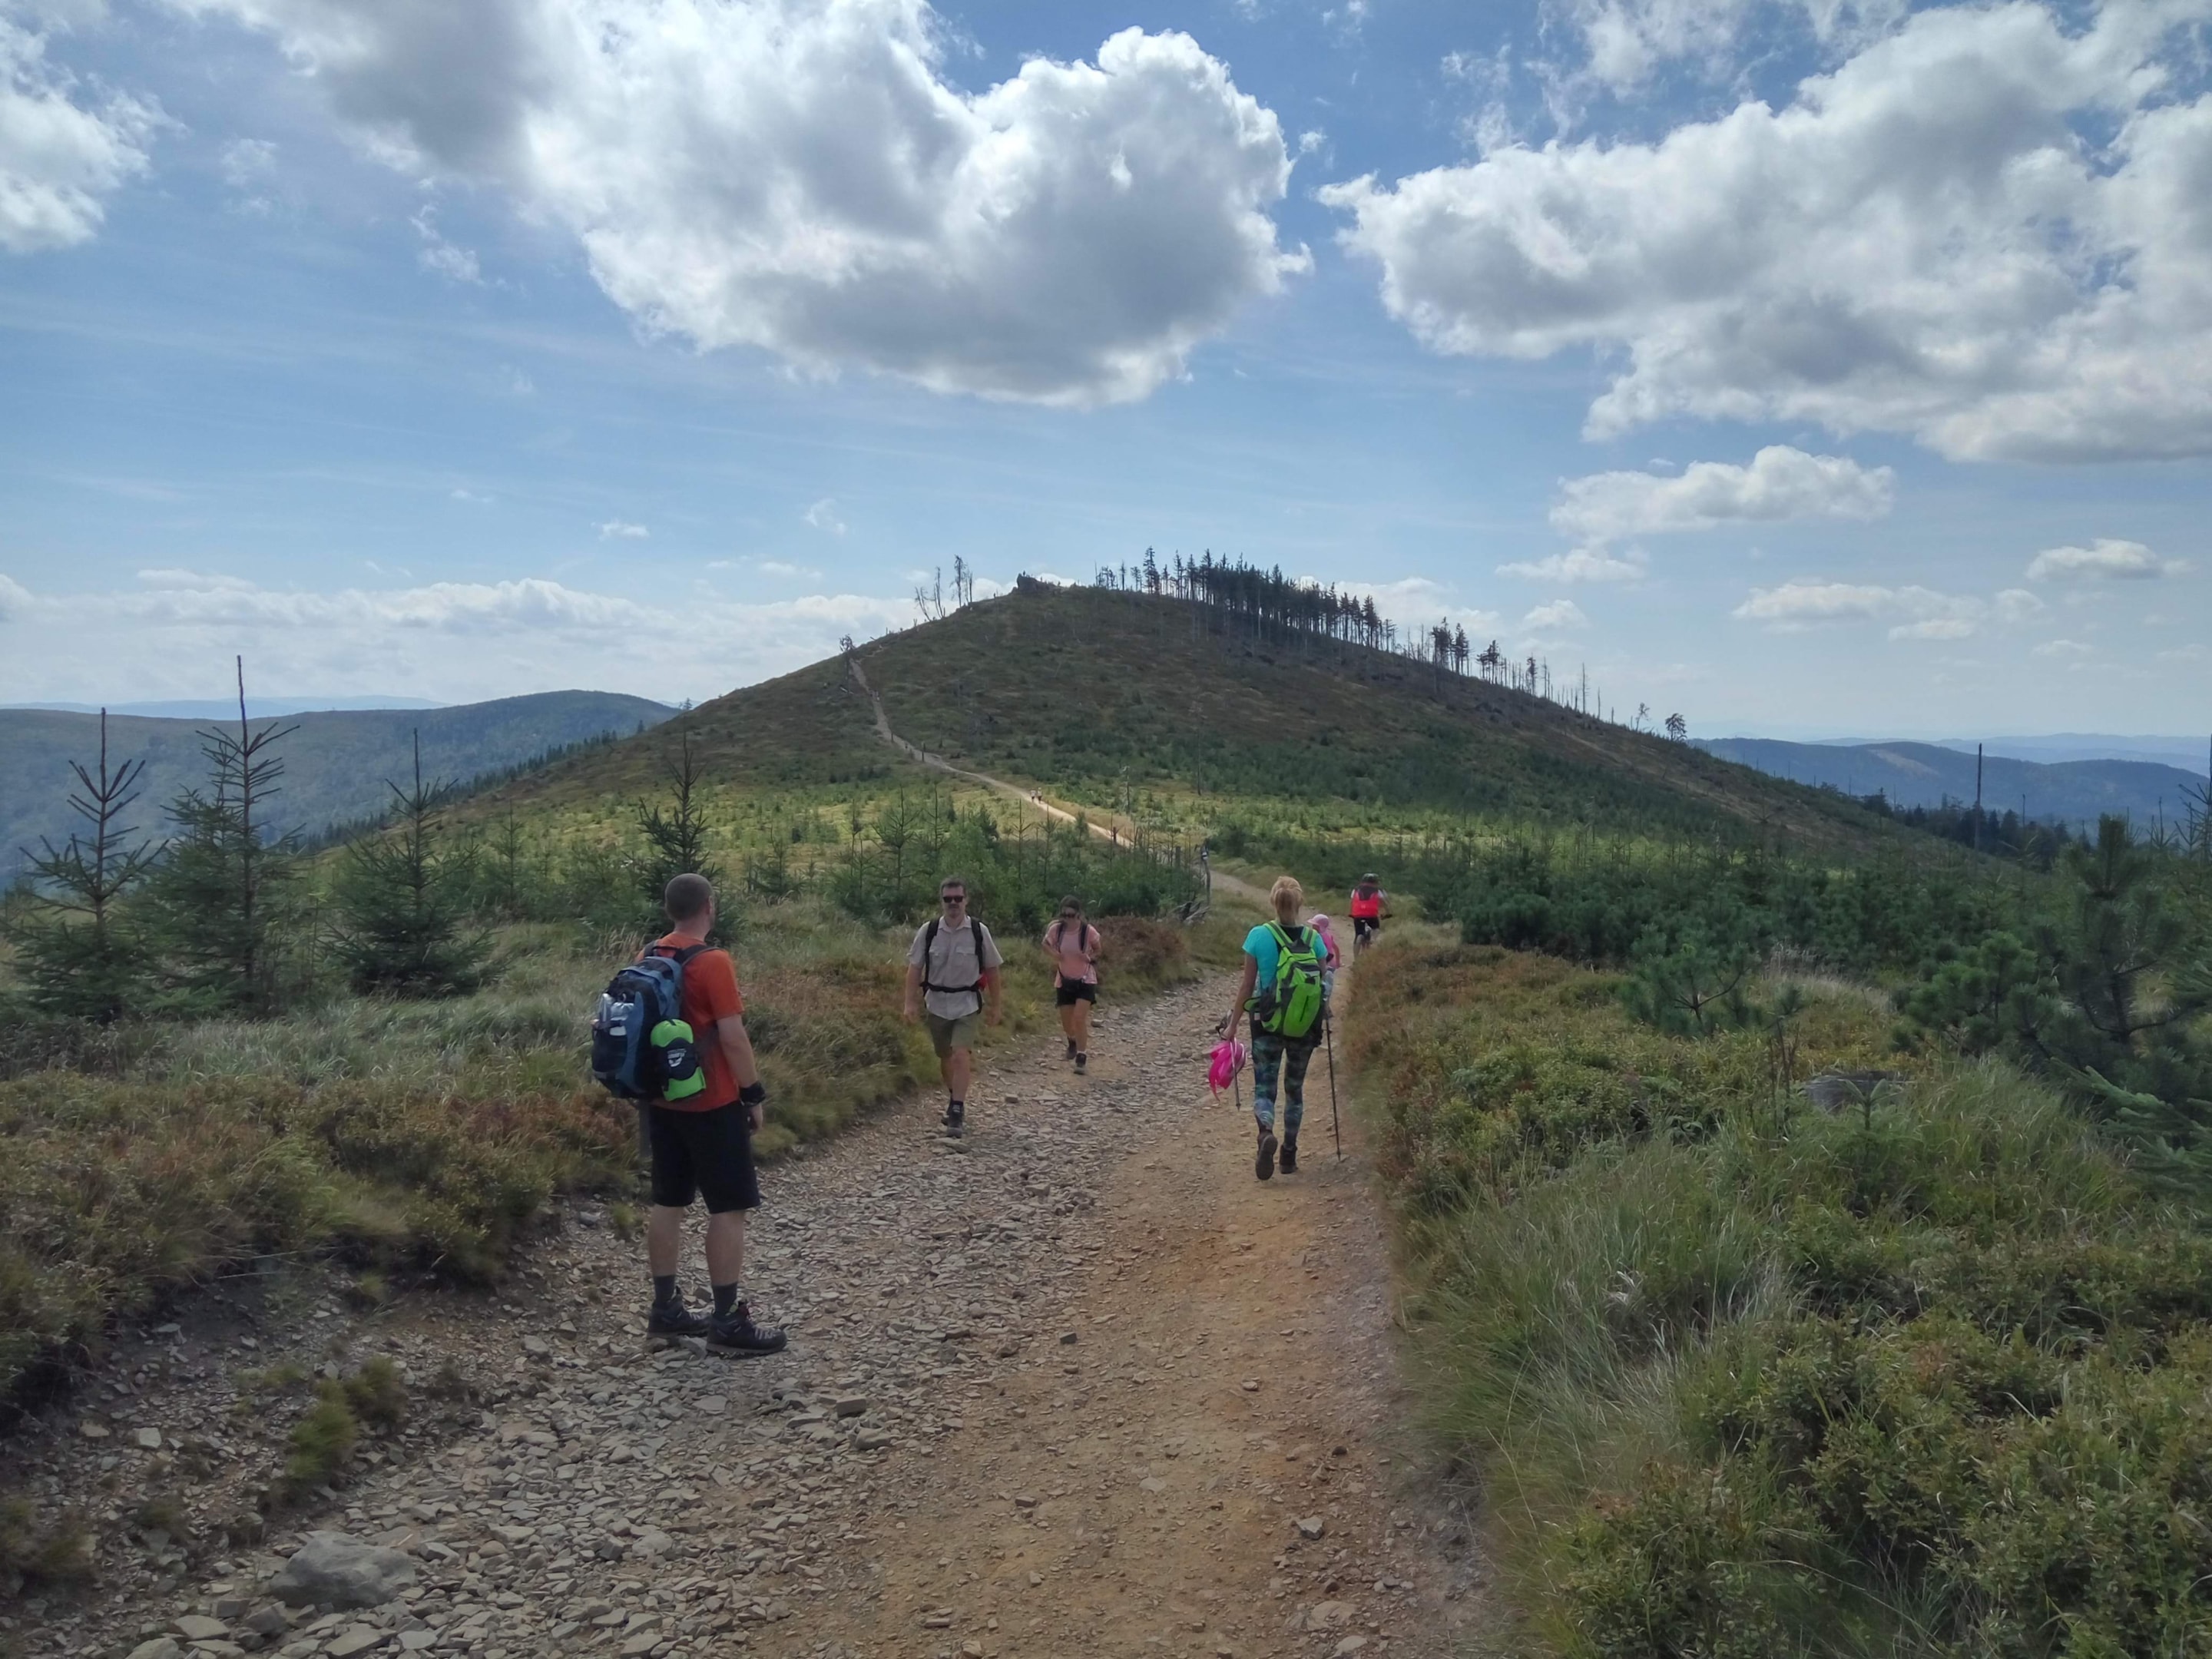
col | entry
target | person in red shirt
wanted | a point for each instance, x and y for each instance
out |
(703, 1146)
(1369, 904)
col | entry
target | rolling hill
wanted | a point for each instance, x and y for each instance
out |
(2073, 792)
(1094, 694)
(336, 764)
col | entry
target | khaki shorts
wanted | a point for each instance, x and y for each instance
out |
(946, 1034)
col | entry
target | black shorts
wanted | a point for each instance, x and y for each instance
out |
(1367, 926)
(1073, 990)
(708, 1154)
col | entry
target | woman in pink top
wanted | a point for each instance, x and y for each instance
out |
(1072, 944)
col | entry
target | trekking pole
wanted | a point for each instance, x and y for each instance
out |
(1328, 1037)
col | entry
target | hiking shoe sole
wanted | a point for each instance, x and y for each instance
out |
(750, 1343)
(1264, 1165)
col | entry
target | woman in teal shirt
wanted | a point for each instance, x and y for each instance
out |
(1274, 1059)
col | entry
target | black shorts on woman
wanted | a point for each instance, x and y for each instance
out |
(1073, 990)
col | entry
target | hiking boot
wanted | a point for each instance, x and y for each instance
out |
(1082, 1065)
(956, 1119)
(739, 1334)
(673, 1319)
(1072, 1055)
(1290, 1157)
(1264, 1165)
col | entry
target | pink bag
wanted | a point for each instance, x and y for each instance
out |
(1229, 1060)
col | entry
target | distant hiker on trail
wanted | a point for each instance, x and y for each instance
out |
(951, 977)
(1282, 990)
(703, 1145)
(1072, 944)
(1369, 904)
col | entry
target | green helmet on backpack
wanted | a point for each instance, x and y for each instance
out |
(1290, 1008)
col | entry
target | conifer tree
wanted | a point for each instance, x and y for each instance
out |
(404, 901)
(676, 835)
(216, 895)
(77, 955)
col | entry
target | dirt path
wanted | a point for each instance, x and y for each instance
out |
(1108, 831)
(1076, 1385)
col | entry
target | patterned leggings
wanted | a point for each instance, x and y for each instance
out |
(1273, 1057)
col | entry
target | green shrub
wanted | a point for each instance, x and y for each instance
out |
(43, 1549)
(376, 1395)
(320, 1447)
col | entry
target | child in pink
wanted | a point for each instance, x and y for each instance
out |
(1332, 958)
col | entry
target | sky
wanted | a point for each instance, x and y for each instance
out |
(1806, 367)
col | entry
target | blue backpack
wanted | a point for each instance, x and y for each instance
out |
(642, 1047)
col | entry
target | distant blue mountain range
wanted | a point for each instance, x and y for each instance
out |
(336, 764)
(2072, 791)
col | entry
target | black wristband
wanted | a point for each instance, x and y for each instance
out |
(753, 1094)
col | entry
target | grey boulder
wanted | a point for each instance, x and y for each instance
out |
(336, 1568)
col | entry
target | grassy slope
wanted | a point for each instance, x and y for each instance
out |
(1742, 1379)
(1086, 691)
(335, 764)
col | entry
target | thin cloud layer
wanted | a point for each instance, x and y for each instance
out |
(795, 175)
(1627, 42)
(1781, 483)
(1986, 230)
(2107, 559)
(1583, 564)
(455, 640)
(61, 154)
(1923, 613)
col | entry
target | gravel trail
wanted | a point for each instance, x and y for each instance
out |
(1076, 1384)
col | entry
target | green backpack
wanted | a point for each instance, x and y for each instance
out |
(1291, 1007)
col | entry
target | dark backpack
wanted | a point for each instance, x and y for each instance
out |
(642, 1047)
(929, 948)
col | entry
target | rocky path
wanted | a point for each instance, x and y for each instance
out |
(1078, 1384)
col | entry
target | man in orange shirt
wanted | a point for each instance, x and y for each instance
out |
(703, 1146)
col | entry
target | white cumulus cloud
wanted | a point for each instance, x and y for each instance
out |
(2066, 648)
(14, 598)
(1990, 229)
(797, 175)
(823, 515)
(1781, 483)
(64, 150)
(618, 530)
(2107, 559)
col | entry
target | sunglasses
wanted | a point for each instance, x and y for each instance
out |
(953, 898)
